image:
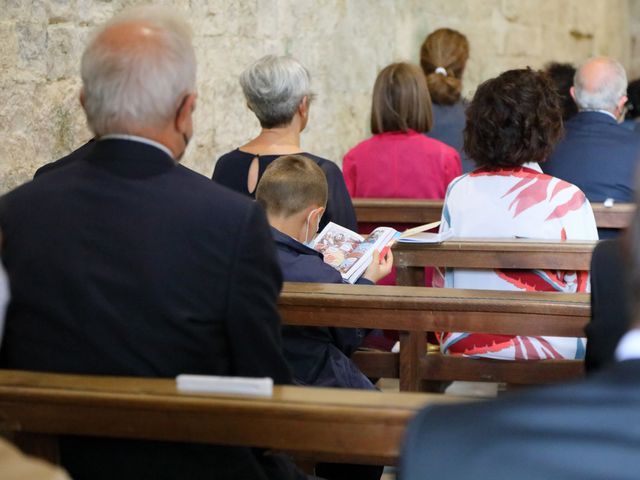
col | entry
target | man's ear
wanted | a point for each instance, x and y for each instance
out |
(572, 92)
(183, 120)
(622, 102)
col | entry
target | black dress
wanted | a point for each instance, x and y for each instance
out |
(232, 170)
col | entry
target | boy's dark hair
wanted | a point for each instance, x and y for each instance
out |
(513, 119)
(290, 184)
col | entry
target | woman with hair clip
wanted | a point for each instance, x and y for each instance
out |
(443, 57)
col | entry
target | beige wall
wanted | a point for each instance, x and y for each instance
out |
(342, 42)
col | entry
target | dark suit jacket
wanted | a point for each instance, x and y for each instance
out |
(610, 312)
(125, 263)
(318, 355)
(598, 156)
(579, 431)
(77, 154)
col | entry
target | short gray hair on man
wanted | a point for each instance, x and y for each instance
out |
(599, 88)
(142, 84)
(274, 87)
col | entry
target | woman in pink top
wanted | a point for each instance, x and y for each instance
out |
(399, 161)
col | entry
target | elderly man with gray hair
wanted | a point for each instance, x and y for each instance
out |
(124, 262)
(597, 154)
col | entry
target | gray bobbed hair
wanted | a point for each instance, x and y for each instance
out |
(274, 87)
(141, 85)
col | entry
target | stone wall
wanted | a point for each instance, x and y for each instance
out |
(343, 43)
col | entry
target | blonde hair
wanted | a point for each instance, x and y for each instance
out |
(290, 184)
(445, 49)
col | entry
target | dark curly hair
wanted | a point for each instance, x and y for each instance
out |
(561, 74)
(513, 119)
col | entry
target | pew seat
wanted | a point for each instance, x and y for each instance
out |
(417, 310)
(337, 425)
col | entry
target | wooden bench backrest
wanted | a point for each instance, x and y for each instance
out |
(328, 424)
(384, 211)
(410, 258)
(416, 310)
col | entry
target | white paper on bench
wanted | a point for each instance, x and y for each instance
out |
(259, 387)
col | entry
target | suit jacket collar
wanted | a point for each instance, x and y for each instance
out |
(593, 117)
(130, 159)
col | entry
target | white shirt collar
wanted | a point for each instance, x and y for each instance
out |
(629, 346)
(533, 166)
(135, 138)
(602, 111)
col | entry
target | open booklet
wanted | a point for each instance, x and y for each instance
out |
(350, 253)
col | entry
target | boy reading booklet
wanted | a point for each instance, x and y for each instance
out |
(350, 254)
(293, 191)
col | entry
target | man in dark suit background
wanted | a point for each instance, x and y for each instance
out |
(597, 154)
(581, 430)
(123, 262)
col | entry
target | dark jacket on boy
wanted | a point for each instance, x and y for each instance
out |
(318, 355)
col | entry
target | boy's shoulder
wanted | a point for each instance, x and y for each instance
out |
(300, 263)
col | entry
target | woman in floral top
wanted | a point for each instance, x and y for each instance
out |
(513, 124)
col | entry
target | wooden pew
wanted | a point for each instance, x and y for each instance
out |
(617, 216)
(416, 310)
(385, 211)
(411, 258)
(336, 425)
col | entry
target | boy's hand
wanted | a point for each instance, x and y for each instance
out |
(379, 267)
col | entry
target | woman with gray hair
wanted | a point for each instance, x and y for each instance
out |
(278, 91)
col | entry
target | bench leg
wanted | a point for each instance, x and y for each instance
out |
(413, 346)
(410, 276)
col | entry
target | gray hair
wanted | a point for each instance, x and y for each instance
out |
(602, 91)
(274, 87)
(141, 85)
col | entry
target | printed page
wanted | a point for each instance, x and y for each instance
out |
(336, 243)
(360, 258)
(348, 252)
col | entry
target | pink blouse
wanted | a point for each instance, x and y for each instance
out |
(400, 165)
